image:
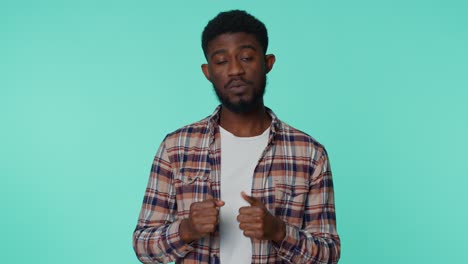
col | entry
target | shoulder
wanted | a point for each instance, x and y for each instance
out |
(301, 142)
(189, 133)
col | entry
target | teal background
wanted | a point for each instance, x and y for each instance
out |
(88, 89)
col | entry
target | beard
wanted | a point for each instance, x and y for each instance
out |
(242, 105)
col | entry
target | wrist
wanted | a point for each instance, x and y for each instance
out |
(185, 231)
(281, 233)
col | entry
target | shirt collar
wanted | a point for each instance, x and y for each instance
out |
(213, 121)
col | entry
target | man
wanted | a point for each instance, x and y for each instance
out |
(239, 186)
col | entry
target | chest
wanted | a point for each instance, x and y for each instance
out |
(278, 177)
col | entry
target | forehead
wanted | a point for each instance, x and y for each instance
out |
(233, 41)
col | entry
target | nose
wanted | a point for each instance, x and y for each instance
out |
(235, 68)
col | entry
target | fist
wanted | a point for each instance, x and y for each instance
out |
(202, 221)
(257, 222)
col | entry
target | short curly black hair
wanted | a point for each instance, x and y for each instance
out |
(232, 22)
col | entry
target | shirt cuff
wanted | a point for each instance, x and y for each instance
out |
(289, 244)
(173, 242)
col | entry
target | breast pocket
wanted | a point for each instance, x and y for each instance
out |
(192, 186)
(290, 199)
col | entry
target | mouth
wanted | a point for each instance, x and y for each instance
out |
(238, 89)
(237, 86)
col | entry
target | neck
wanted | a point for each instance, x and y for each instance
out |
(250, 124)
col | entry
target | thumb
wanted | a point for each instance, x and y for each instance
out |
(251, 200)
(219, 203)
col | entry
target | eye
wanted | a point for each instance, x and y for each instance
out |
(221, 62)
(246, 58)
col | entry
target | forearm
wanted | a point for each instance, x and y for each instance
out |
(159, 244)
(317, 240)
(156, 237)
(300, 246)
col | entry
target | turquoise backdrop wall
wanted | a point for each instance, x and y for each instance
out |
(88, 89)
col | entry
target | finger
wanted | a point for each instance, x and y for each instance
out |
(249, 219)
(205, 220)
(205, 204)
(251, 200)
(251, 226)
(219, 203)
(247, 198)
(207, 228)
(201, 212)
(250, 210)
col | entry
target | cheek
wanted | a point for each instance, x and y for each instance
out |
(255, 71)
(217, 77)
(256, 75)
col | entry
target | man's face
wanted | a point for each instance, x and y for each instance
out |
(237, 68)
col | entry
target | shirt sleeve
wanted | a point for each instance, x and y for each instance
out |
(156, 238)
(317, 242)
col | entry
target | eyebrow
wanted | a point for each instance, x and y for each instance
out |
(217, 52)
(246, 46)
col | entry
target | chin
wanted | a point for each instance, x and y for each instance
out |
(242, 106)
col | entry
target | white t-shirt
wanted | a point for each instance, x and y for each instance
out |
(239, 157)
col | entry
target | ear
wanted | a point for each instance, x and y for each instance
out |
(269, 61)
(206, 71)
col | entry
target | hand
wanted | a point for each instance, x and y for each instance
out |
(257, 222)
(202, 220)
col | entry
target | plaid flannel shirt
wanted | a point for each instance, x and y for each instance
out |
(292, 178)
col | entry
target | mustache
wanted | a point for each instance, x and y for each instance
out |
(237, 82)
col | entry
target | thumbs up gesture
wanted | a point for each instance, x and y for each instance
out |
(257, 222)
